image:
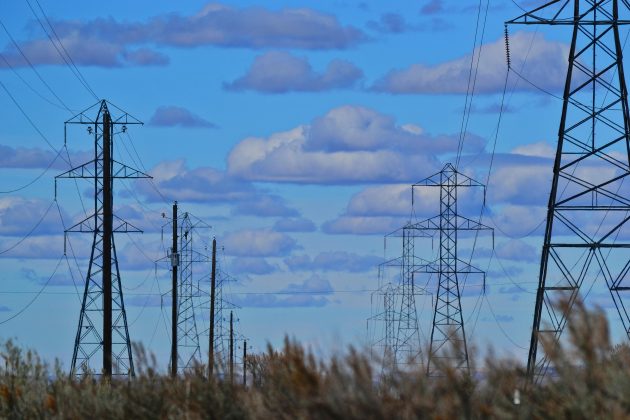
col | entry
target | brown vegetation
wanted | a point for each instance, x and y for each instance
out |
(592, 381)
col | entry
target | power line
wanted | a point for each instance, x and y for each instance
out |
(30, 232)
(37, 294)
(30, 64)
(34, 180)
(69, 62)
(41, 134)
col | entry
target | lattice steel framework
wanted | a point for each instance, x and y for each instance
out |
(188, 348)
(586, 236)
(407, 346)
(102, 337)
(448, 337)
(384, 318)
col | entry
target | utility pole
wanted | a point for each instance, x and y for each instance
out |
(592, 163)
(174, 264)
(102, 303)
(244, 363)
(213, 284)
(108, 216)
(231, 348)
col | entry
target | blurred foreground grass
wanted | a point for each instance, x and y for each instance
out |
(592, 380)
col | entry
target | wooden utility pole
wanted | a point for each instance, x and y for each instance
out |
(213, 283)
(231, 348)
(174, 264)
(244, 362)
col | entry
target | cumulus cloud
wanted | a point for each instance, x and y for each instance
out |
(21, 216)
(176, 181)
(516, 250)
(312, 292)
(546, 67)
(252, 265)
(333, 261)
(204, 184)
(390, 23)
(172, 116)
(294, 224)
(432, 7)
(258, 243)
(356, 225)
(264, 206)
(107, 42)
(350, 144)
(280, 72)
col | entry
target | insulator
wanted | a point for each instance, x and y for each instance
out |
(507, 48)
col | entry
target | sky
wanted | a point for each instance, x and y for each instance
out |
(294, 129)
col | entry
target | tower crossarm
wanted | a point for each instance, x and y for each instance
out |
(559, 9)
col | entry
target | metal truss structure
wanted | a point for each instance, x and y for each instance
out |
(588, 216)
(448, 337)
(102, 344)
(189, 293)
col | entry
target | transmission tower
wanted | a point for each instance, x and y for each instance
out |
(186, 351)
(102, 337)
(407, 346)
(384, 317)
(448, 337)
(587, 217)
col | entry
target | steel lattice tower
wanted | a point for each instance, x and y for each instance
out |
(188, 348)
(588, 212)
(448, 337)
(407, 346)
(102, 335)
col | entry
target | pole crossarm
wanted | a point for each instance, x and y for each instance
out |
(119, 171)
(558, 7)
(86, 116)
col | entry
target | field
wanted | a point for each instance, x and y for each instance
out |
(592, 381)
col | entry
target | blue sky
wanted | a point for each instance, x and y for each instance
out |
(295, 130)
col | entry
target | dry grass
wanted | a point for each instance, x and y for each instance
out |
(592, 381)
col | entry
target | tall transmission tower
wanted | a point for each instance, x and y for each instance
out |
(407, 346)
(188, 307)
(186, 348)
(102, 337)
(588, 212)
(448, 336)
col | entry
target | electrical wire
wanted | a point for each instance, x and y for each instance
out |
(37, 295)
(30, 121)
(30, 232)
(34, 180)
(30, 64)
(69, 62)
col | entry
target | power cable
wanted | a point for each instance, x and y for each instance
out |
(37, 295)
(30, 232)
(30, 64)
(30, 121)
(69, 62)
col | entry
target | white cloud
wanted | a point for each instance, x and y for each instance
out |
(280, 72)
(546, 63)
(258, 243)
(350, 144)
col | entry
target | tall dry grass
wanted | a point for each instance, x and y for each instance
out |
(592, 381)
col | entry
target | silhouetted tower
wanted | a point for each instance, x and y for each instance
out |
(448, 336)
(102, 342)
(186, 290)
(407, 346)
(586, 236)
(188, 347)
(383, 322)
